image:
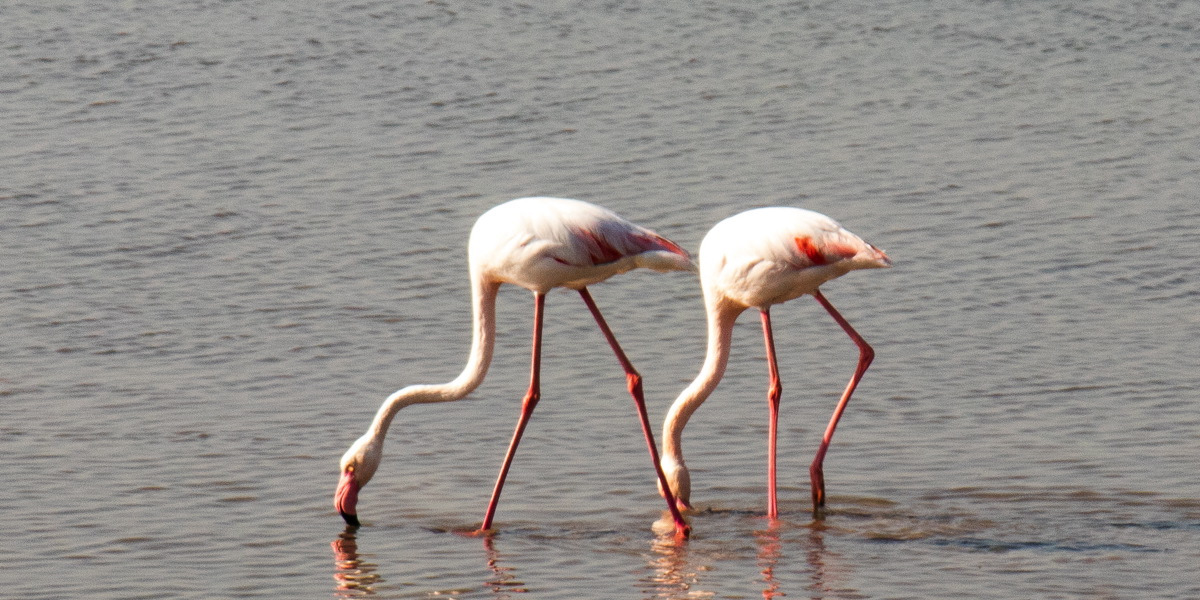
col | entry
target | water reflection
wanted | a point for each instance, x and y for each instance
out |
(828, 571)
(503, 582)
(691, 569)
(768, 556)
(355, 577)
(674, 570)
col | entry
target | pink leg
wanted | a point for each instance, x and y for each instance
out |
(865, 356)
(774, 392)
(634, 381)
(527, 406)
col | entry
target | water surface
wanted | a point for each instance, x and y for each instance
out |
(232, 229)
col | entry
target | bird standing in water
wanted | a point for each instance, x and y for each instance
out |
(756, 259)
(538, 244)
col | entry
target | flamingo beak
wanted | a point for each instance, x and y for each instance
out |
(345, 499)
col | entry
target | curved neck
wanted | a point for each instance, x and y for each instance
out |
(483, 340)
(721, 316)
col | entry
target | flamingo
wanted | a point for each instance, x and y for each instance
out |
(760, 258)
(538, 244)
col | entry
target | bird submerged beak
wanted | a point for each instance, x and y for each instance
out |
(345, 499)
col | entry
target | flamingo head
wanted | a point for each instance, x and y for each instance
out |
(357, 467)
(677, 477)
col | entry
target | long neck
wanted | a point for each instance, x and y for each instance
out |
(483, 339)
(721, 316)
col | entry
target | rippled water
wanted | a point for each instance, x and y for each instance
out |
(232, 228)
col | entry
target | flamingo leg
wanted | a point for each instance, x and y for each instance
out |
(865, 355)
(634, 381)
(774, 392)
(527, 406)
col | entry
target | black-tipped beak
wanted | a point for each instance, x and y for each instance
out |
(351, 520)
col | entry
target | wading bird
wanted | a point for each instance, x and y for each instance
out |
(538, 244)
(756, 259)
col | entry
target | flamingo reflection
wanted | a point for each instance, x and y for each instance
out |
(828, 571)
(788, 556)
(768, 556)
(504, 580)
(673, 576)
(355, 578)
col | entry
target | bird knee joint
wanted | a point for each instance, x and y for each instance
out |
(633, 380)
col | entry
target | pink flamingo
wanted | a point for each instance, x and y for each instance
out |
(538, 244)
(756, 259)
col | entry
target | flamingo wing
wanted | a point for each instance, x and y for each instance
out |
(770, 255)
(542, 243)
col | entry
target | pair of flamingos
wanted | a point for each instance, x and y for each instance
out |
(754, 259)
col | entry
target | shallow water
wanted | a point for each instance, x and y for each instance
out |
(233, 228)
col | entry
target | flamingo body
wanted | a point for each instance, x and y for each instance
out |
(539, 244)
(771, 255)
(544, 243)
(757, 259)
